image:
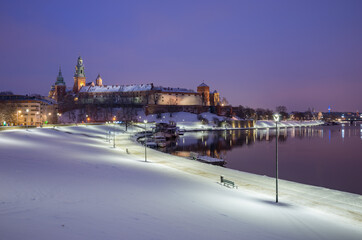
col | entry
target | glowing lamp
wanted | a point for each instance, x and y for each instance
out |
(276, 117)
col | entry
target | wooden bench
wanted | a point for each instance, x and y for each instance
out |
(227, 183)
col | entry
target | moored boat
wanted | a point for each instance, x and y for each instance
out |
(207, 159)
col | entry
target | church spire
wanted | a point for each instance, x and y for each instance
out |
(60, 79)
(79, 68)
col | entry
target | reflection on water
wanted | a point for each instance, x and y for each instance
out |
(306, 154)
(214, 143)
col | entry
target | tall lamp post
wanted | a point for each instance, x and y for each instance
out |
(114, 132)
(145, 121)
(276, 119)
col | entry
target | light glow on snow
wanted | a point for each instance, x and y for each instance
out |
(75, 185)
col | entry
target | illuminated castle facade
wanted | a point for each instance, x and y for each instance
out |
(139, 94)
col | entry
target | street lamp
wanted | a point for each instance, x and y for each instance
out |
(114, 132)
(37, 119)
(276, 119)
(145, 121)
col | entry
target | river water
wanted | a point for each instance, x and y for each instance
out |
(326, 156)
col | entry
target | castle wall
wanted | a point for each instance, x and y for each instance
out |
(178, 99)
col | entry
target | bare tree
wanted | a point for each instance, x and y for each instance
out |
(7, 113)
(127, 114)
(250, 113)
(261, 113)
(282, 110)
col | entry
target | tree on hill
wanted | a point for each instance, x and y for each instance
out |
(282, 110)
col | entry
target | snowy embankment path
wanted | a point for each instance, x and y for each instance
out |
(58, 185)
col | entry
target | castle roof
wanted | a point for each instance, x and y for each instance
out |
(19, 98)
(203, 85)
(60, 79)
(116, 88)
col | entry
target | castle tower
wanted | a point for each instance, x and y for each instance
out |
(204, 90)
(79, 76)
(99, 80)
(214, 98)
(59, 87)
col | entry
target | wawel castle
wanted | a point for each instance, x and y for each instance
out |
(92, 98)
(154, 98)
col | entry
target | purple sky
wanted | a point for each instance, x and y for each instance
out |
(255, 53)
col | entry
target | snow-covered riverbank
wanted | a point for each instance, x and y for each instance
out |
(69, 183)
(190, 122)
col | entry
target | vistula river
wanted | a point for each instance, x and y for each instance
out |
(325, 156)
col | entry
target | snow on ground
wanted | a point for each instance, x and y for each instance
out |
(184, 120)
(189, 121)
(63, 184)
